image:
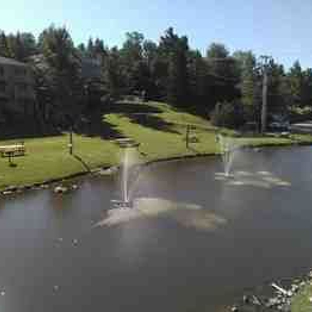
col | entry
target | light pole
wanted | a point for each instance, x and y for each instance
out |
(70, 144)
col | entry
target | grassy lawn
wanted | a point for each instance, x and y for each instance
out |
(301, 302)
(48, 158)
(160, 130)
(166, 142)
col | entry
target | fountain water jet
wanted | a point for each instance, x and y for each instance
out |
(228, 150)
(128, 162)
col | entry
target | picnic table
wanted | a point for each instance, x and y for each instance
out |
(12, 150)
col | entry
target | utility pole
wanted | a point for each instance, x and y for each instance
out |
(265, 59)
(187, 135)
(70, 144)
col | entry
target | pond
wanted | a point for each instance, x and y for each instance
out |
(197, 242)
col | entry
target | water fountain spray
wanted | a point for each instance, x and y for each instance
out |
(127, 164)
(228, 150)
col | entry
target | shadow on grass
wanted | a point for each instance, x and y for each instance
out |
(142, 114)
(93, 124)
(26, 129)
(152, 121)
(85, 165)
(131, 108)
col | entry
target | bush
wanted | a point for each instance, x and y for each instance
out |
(227, 114)
(299, 114)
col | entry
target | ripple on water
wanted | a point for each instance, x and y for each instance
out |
(259, 179)
(188, 215)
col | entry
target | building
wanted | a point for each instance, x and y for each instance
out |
(17, 94)
(90, 68)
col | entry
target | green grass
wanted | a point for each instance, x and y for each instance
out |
(156, 144)
(48, 158)
(301, 302)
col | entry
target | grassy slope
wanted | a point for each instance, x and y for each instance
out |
(157, 144)
(301, 301)
(48, 158)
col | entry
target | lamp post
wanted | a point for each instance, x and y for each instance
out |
(187, 135)
(70, 144)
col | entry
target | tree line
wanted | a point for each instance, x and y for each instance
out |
(226, 86)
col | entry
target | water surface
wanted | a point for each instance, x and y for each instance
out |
(219, 239)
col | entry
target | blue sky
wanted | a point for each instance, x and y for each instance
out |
(280, 28)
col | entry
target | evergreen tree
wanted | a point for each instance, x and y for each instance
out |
(175, 51)
(4, 49)
(64, 65)
(249, 82)
(306, 96)
(197, 76)
(277, 100)
(296, 78)
(133, 63)
(113, 74)
(224, 78)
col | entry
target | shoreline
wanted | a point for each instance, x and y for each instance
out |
(110, 169)
(278, 295)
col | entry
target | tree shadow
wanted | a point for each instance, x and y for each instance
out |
(92, 124)
(97, 127)
(27, 129)
(131, 108)
(142, 114)
(85, 165)
(152, 121)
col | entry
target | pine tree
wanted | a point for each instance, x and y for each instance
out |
(4, 49)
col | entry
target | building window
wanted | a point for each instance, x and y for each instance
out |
(20, 72)
(22, 87)
(2, 86)
(1, 71)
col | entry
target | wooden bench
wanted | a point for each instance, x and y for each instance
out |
(12, 150)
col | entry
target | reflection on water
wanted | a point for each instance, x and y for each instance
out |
(189, 215)
(261, 179)
(199, 220)
(194, 241)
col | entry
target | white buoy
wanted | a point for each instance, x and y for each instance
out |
(2, 293)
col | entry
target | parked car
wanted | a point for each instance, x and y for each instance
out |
(279, 126)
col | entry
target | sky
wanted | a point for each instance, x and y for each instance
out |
(279, 28)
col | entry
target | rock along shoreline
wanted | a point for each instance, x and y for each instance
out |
(275, 296)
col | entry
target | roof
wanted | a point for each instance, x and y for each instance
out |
(10, 61)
